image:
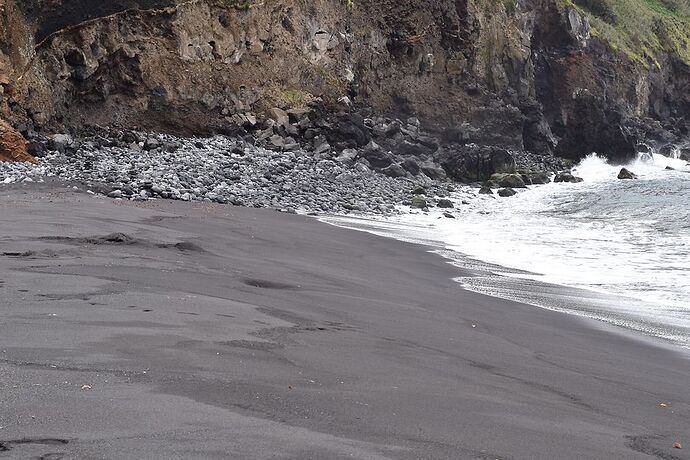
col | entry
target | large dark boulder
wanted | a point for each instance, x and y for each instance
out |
(593, 126)
(377, 157)
(476, 164)
(349, 132)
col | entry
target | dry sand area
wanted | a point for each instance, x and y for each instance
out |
(177, 330)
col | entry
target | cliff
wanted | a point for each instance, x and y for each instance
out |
(538, 75)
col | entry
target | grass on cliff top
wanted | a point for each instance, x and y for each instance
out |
(642, 29)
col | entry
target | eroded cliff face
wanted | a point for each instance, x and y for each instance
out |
(527, 75)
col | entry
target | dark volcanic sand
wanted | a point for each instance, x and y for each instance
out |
(213, 331)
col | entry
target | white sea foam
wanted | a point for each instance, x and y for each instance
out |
(629, 239)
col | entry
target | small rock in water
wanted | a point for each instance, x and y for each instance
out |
(626, 174)
(567, 176)
(447, 204)
(506, 192)
(668, 168)
(486, 190)
(448, 215)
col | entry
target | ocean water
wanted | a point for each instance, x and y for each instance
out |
(617, 251)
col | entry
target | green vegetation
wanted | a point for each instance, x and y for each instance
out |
(642, 29)
(289, 98)
(510, 6)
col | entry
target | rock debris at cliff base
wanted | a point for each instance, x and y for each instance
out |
(226, 170)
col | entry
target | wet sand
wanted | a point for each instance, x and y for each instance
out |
(186, 330)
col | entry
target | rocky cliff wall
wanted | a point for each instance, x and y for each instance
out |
(532, 74)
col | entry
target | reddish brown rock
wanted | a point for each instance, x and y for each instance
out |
(13, 145)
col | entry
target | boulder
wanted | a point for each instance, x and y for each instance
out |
(539, 177)
(506, 192)
(347, 156)
(445, 204)
(419, 202)
(350, 131)
(509, 180)
(567, 176)
(378, 158)
(280, 116)
(685, 154)
(394, 170)
(472, 163)
(152, 143)
(61, 143)
(411, 166)
(433, 171)
(626, 174)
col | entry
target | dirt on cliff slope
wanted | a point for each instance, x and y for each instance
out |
(518, 72)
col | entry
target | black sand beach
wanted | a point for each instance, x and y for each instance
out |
(177, 330)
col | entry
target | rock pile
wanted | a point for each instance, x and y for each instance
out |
(131, 165)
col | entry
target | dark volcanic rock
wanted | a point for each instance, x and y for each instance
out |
(539, 178)
(473, 163)
(626, 174)
(536, 132)
(394, 170)
(567, 176)
(444, 203)
(594, 127)
(350, 132)
(411, 165)
(378, 158)
(510, 181)
(506, 192)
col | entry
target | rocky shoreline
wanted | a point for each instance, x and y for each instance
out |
(319, 160)
(221, 170)
(296, 161)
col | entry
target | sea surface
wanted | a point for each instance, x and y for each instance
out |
(613, 250)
